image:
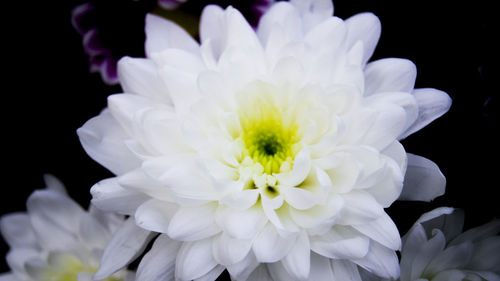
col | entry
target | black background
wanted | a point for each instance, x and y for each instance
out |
(48, 93)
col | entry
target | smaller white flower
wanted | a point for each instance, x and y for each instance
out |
(57, 240)
(435, 249)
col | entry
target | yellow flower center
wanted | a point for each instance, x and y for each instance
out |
(67, 269)
(269, 138)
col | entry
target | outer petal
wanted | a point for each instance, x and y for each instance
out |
(155, 215)
(341, 243)
(55, 219)
(366, 28)
(103, 140)
(423, 180)
(140, 76)
(383, 230)
(17, 231)
(194, 260)
(162, 34)
(390, 75)
(345, 270)
(269, 246)
(193, 223)
(297, 262)
(380, 261)
(128, 242)
(228, 250)
(159, 263)
(432, 104)
(108, 195)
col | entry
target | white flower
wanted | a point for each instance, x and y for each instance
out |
(435, 249)
(56, 239)
(278, 147)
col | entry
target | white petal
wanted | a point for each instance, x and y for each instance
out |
(53, 183)
(103, 140)
(426, 253)
(243, 224)
(140, 76)
(8, 277)
(108, 195)
(228, 250)
(321, 269)
(423, 180)
(313, 11)
(16, 259)
(259, 274)
(390, 75)
(366, 28)
(278, 272)
(300, 170)
(341, 243)
(383, 230)
(162, 34)
(450, 275)
(380, 261)
(193, 223)
(194, 260)
(452, 257)
(127, 243)
(244, 268)
(159, 263)
(269, 246)
(138, 181)
(345, 270)
(211, 28)
(55, 218)
(212, 274)
(478, 233)
(92, 233)
(359, 208)
(155, 215)
(432, 104)
(17, 231)
(485, 255)
(299, 198)
(297, 262)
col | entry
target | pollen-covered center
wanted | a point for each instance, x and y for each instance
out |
(269, 138)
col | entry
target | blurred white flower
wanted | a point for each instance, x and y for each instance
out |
(56, 239)
(277, 148)
(435, 249)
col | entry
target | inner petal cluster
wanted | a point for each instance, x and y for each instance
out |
(268, 138)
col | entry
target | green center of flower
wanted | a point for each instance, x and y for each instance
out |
(269, 138)
(66, 267)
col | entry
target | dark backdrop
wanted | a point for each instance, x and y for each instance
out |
(47, 94)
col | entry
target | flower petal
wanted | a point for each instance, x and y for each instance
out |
(228, 250)
(269, 246)
(345, 270)
(155, 215)
(103, 140)
(162, 34)
(297, 262)
(341, 243)
(243, 224)
(159, 263)
(380, 261)
(127, 243)
(108, 195)
(365, 27)
(390, 75)
(423, 180)
(55, 218)
(194, 260)
(140, 76)
(383, 230)
(321, 269)
(244, 268)
(193, 223)
(432, 104)
(17, 231)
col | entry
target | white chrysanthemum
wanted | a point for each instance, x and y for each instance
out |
(56, 240)
(435, 249)
(276, 147)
